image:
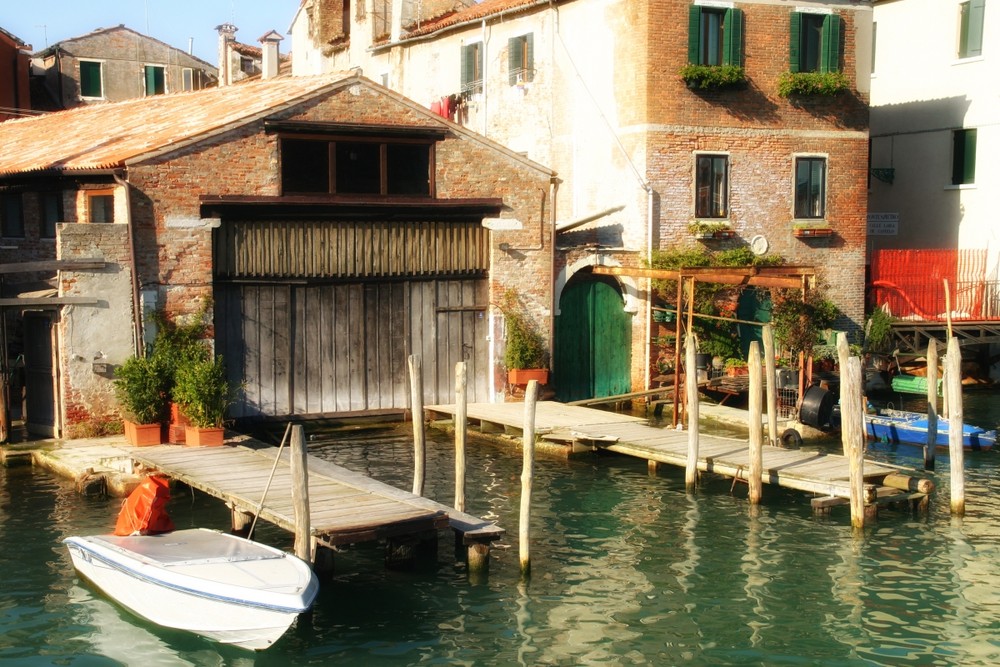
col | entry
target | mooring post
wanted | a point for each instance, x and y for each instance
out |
(932, 410)
(527, 476)
(461, 426)
(417, 410)
(241, 520)
(300, 494)
(771, 386)
(843, 359)
(691, 383)
(755, 481)
(853, 433)
(956, 414)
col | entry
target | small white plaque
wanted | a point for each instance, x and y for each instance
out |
(502, 224)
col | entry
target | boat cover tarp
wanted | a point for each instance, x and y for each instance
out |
(144, 512)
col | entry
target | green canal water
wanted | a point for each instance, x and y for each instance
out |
(627, 569)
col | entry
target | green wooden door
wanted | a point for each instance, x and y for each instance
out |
(754, 305)
(593, 342)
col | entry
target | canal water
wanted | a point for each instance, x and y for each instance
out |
(627, 569)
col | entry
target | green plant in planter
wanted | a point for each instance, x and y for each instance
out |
(713, 77)
(703, 228)
(812, 83)
(177, 345)
(203, 391)
(734, 362)
(141, 389)
(798, 324)
(524, 347)
(878, 332)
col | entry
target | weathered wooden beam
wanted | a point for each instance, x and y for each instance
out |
(725, 278)
(53, 301)
(53, 265)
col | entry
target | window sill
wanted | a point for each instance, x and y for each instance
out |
(963, 186)
(810, 232)
(970, 59)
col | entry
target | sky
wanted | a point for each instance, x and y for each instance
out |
(42, 23)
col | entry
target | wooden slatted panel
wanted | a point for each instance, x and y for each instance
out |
(266, 249)
(331, 349)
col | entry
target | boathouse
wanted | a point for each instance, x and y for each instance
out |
(335, 226)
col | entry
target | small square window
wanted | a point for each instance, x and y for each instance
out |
(963, 157)
(101, 206)
(810, 187)
(11, 216)
(711, 186)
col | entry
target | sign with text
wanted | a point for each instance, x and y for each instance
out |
(883, 224)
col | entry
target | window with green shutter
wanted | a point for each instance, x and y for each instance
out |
(963, 157)
(715, 36)
(814, 42)
(520, 59)
(970, 36)
(472, 68)
(155, 80)
(91, 80)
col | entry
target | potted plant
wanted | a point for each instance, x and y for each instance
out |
(718, 229)
(176, 345)
(524, 354)
(140, 387)
(812, 84)
(203, 393)
(809, 229)
(735, 366)
(713, 77)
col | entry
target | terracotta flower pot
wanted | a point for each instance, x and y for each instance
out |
(196, 436)
(521, 376)
(142, 435)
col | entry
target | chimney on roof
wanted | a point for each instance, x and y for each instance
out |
(269, 55)
(227, 35)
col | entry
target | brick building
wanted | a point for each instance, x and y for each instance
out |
(15, 96)
(323, 278)
(115, 64)
(595, 90)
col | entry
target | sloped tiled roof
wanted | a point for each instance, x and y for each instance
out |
(484, 9)
(104, 136)
(66, 44)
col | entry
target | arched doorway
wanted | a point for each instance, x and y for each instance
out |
(593, 341)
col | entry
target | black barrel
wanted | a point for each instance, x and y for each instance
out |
(817, 406)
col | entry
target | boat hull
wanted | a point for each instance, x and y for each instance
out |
(220, 586)
(902, 427)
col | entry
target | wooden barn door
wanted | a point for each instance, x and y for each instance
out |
(343, 348)
(593, 342)
(40, 386)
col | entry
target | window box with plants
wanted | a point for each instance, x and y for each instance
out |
(141, 390)
(524, 352)
(705, 230)
(812, 84)
(809, 229)
(203, 393)
(713, 77)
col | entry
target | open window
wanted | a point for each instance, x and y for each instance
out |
(155, 80)
(521, 59)
(715, 35)
(963, 157)
(814, 42)
(472, 68)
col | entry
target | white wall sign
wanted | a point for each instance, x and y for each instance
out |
(502, 224)
(883, 224)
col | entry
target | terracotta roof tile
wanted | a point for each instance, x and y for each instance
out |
(104, 136)
(476, 12)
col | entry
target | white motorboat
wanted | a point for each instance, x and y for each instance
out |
(227, 588)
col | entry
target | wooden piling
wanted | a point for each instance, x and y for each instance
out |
(691, 382)
(843, 357)
(755, 480)
(417, 410)
(932, 410)
(953, 380)
(461, 430)
(527, 476)
(853, 432)
(300, 494)
(771, 385)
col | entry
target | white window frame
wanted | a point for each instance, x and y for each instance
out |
(727, 184)
(826, 185)
(100, 62)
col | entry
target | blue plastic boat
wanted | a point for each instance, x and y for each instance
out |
(901, 426)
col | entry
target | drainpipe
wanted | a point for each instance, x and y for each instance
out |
(486, 61)
(138, 348)
(648, 347)
(554, 189)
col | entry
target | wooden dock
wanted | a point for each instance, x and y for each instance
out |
(825, 475)
(345, 507)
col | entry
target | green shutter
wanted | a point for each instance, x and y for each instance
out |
(90, 79)
(969, 165)
(732, 50)
(466, 66)
(529, 67)
(694, 35)
(794, 43)
(963, 161)
(830, 56)
(974, 38)
(514, 63)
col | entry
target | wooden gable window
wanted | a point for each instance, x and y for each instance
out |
(814, 42)
(715, 36)
(357, 166)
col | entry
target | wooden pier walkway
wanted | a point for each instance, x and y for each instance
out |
(345, 507)
(823, 474)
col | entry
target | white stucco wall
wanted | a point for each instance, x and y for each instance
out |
(921, 93)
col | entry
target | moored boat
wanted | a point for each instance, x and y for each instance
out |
(223, 587)
(902, 426)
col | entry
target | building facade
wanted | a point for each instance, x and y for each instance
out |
(115, 64)
(601, 91)
(15, 93)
